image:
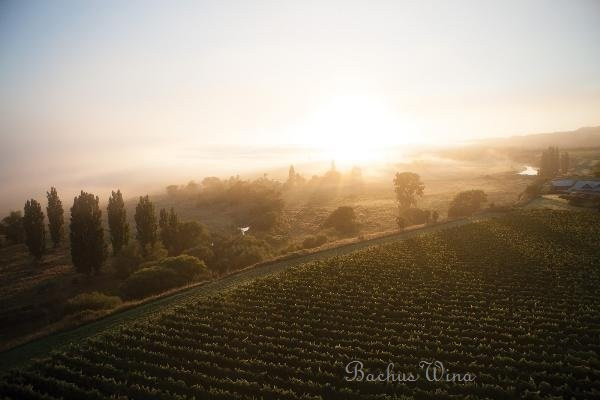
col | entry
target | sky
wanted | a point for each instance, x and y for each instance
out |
(94, 92)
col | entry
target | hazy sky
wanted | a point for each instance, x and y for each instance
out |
(102, 86)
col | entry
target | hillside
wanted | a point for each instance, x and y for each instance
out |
(582, 137)
(513, 302)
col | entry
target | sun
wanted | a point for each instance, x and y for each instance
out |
(353, 129)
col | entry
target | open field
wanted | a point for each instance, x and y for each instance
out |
(513, 300)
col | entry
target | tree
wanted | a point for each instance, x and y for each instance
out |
(168, 223)
(401, 222)
(188, 234)
(88, 249)
(415, 216)
(291, 176)
(597, 169)
(564, 163)
(550, 162)
(145, 223)
(117, 222)
(343, 219)
(179, 236)
(408, 187)
(466, 203)
(33, 224)
(12, 227)
(56, 219)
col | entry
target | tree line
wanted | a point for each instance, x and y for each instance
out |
(553, 162)
(88, 247)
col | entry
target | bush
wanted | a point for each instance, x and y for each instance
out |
(467, 203)
(168, 273)
(201, 252)
(314, 241)
(131, 259)
(533, 190)
(401, 223)
(187, 267)
(416, 216)
(235, 252)
(149, 281)
(91, 301)
(343, 219)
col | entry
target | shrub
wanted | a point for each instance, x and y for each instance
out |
(416, 216)
(12, 227)
(235, 252)
(466, 203)
(168, 273)
(401, 222)
(149, 281)
(131, 259)
(314, 241)
(187, 267)
(533, 190)
(343, 219)
(201, 252)
(91, 301)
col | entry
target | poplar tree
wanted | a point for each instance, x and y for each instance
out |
(88, 249)
(33, 224)
(55, 214)
(145, 223)
(117, 222)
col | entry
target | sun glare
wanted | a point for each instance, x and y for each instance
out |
(354, 129)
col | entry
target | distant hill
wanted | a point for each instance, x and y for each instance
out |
(582, 137)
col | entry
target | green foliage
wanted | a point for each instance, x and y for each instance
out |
(56, 220)
(513, 300)
(550, 163)
(189, 234)
(314, 241)
(597, 169)
(407, 186)
(168, 273)
(168, 222)
(565, 163)
(416, 216)
(92, 301)
(532, 190)
(145, 222)
(202, 252)
(466, 203)
(343, 219)
(401, 223)
(33, 224)
(131, 258)
(178, 236)
(12, 227)
(149, 281)
(88, 249)
(117, 222)
(256, 203)
(294, 179)
(186, 266)
(235, 252)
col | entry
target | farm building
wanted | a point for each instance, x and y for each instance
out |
(562, 185)
(591, 187)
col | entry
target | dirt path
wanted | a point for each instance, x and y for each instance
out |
(23, 354)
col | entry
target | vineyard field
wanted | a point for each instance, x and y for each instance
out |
(513, 301)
